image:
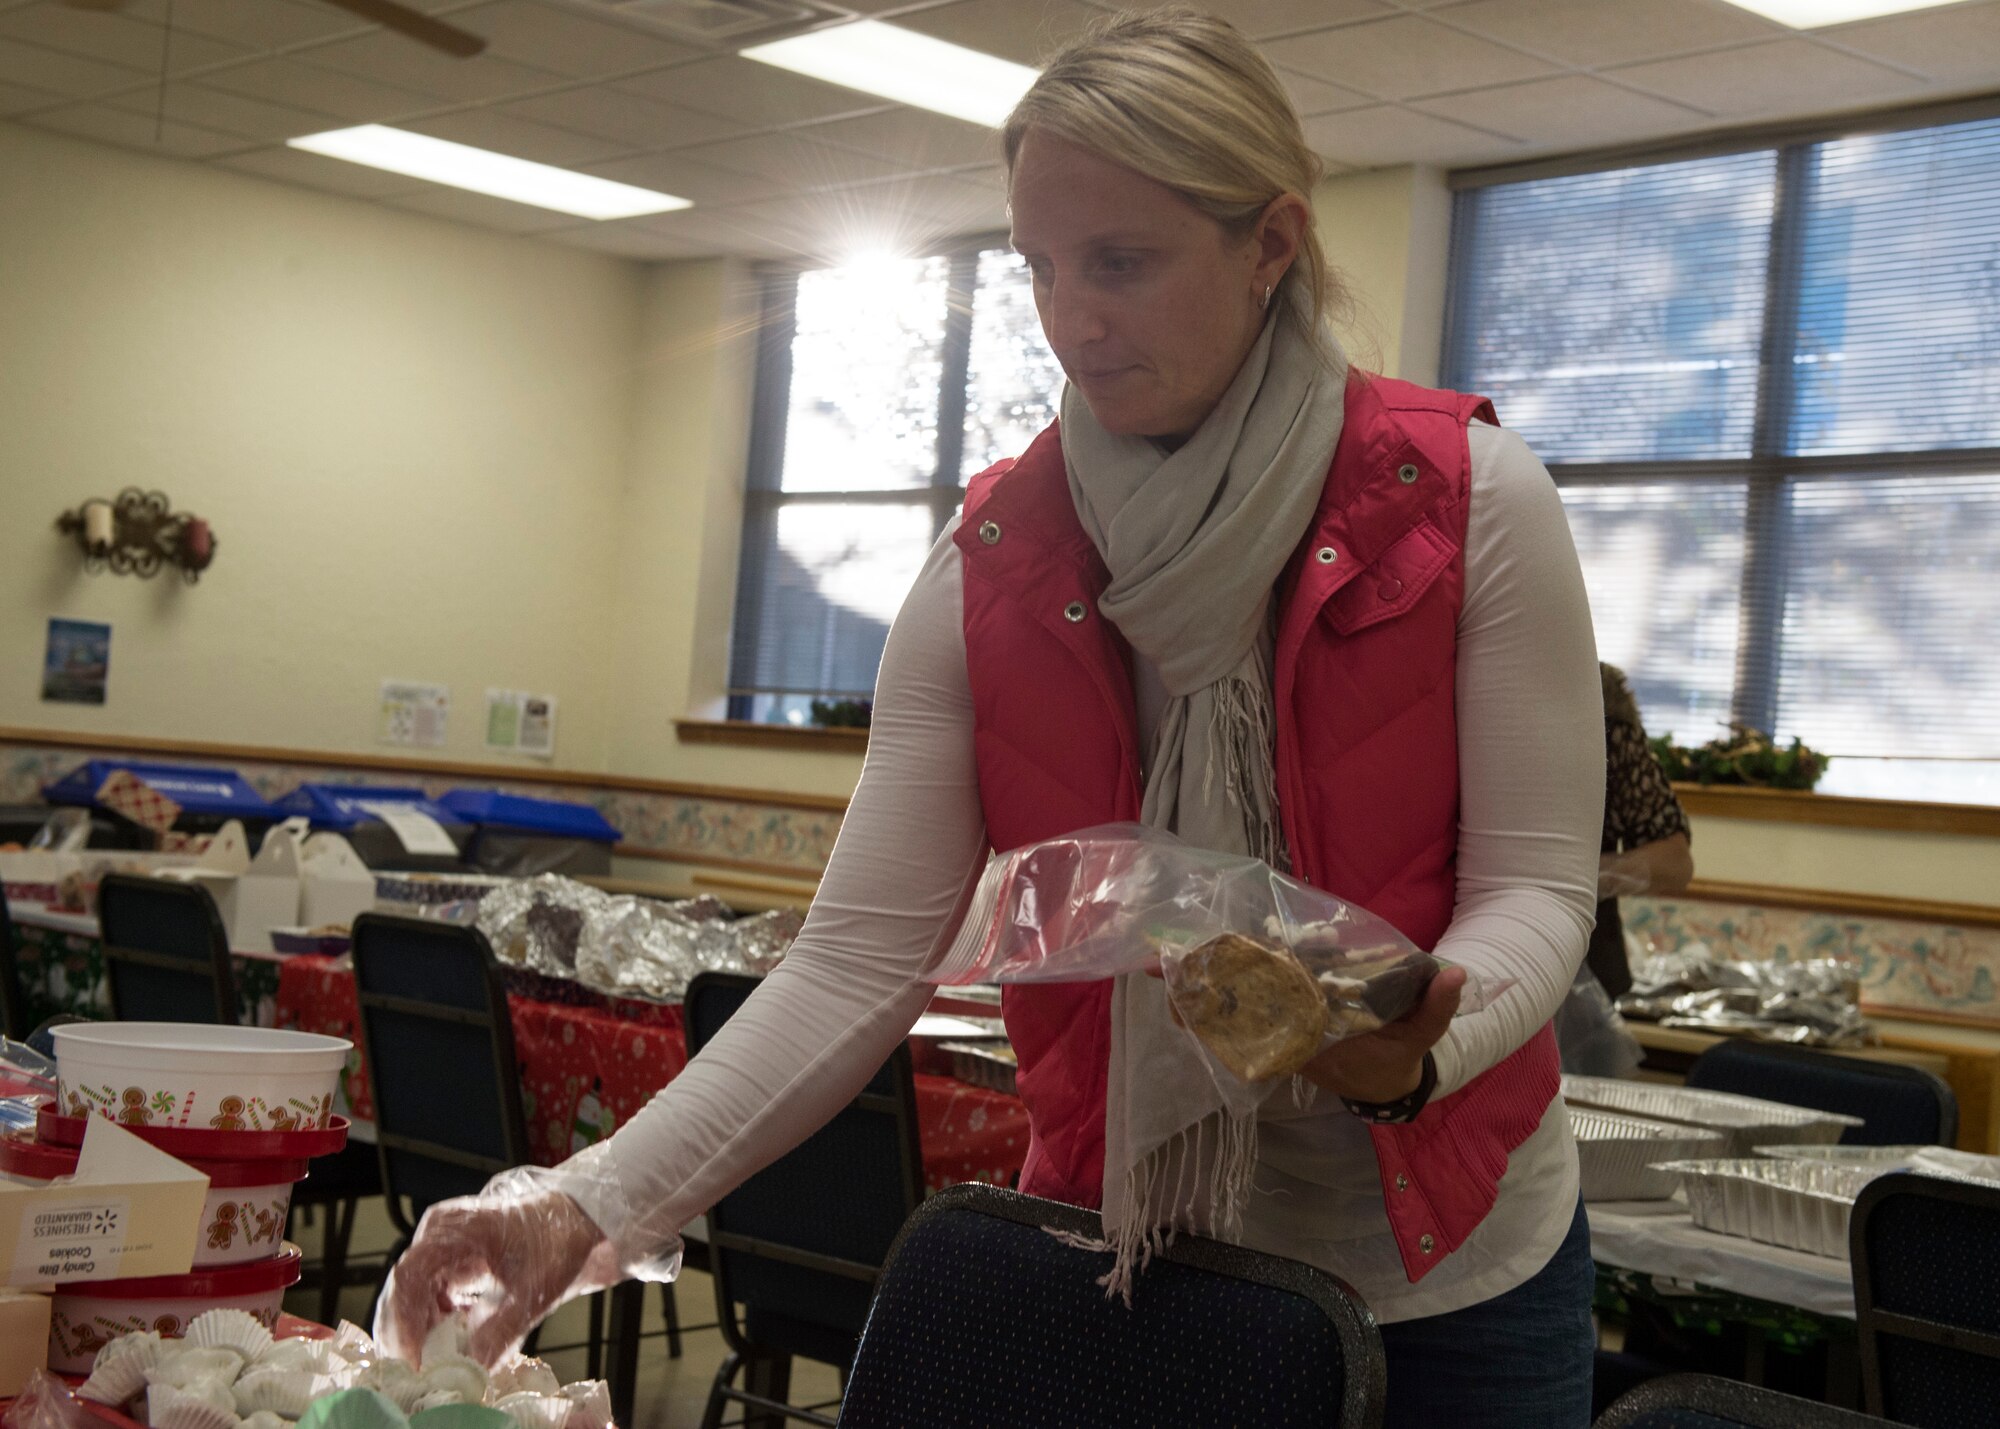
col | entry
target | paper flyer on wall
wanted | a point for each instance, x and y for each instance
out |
(521, 722)
(413, 713)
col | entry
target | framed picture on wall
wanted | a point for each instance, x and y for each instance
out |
(77, 663)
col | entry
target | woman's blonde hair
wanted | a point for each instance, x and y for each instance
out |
(1184, 99)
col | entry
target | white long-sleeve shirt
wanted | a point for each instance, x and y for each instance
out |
(1531, 789)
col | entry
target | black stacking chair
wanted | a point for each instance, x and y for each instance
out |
(980, 1305)
(166, 953)
(1703, 1401)
(1926, 1256)
(800, 1244)
(1900, 1106)
(448, 1117)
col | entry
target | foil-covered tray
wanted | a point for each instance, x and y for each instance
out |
(1745, 1122)
(1619, 1154)
(1943, 1161)
(983, 1064)
(1803, 1205)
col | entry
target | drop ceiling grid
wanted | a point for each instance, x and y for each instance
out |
(1439, 81)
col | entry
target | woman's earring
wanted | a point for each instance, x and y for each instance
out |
(1265, 306)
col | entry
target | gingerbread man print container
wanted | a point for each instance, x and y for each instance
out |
(187, 1076)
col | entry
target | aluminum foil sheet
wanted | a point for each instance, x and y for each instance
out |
(1804, 1205)
(1619, 1155)
(1811, 1002)
(1744, 1122)
(625, 946)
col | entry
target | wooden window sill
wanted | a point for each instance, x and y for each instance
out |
(771, 736)
(1793, 806)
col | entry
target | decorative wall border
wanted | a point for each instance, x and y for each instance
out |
(758, 831)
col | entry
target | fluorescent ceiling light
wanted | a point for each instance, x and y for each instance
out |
(485, 172)
(1815, 14)
(904, 66)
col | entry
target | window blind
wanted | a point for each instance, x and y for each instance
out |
(1768, 384)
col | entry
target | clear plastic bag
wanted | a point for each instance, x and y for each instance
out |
(1263, 969)
(45, 1402)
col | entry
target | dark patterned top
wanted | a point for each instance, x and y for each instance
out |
(1639, 803)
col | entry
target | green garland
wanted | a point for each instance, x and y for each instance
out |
(1743, 756)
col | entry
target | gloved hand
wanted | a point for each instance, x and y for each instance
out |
(509, 1256)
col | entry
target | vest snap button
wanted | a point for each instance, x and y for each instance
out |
(1390, 589)
(1074, 612)
(1326, 555)
(1406, 473)
(1426, 1244)
(1402, 1182)
(990, 533)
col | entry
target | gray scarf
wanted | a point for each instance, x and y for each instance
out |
(1195, 541)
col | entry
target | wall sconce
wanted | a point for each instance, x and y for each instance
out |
(137, 534)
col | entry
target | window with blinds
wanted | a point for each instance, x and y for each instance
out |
(1768, 385)
(881, 387)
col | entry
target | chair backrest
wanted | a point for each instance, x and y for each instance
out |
(441, 1064)
(1900, 1106)
(989, 1298)
(800, 1244)
(166, 953)
(14, 1012)
(1926, 1256)
(1703, 1401)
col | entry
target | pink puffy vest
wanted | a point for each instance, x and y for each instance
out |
(1367, 763)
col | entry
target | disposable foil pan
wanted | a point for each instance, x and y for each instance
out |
(1745, 1122)
(1618, 1154)
(1803, 1205)
(982, 1064)
(1882, 1158)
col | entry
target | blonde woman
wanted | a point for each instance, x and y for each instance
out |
(1277, 606)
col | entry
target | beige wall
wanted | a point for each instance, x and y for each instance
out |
(1386, 232)
(409, 436)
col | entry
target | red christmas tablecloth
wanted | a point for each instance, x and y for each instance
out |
(585, 1070)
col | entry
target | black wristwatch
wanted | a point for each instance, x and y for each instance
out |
(1404, 1108)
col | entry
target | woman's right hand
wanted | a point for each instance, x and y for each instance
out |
(518, 1257)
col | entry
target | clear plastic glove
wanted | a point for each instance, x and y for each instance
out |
(508, 1257)
(1616, 879)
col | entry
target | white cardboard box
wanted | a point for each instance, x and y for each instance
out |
(335, 885)
(130, 1210)
(254, 895)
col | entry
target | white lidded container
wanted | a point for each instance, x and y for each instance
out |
(179, 1074)
(85, 1317)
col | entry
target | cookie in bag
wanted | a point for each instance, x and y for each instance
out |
(1254, 1006)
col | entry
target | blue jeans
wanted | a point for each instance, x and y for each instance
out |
(1521, 1360)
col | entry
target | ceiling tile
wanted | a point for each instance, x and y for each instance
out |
(686, 178)
(1958, 45)
(131, 41)
(135, 131)
(230, 113)
(897, 217)
(1593, 33)
(290, 82)
(391, 59)
(1390, 134)
(622, 242)
(721, 230)
(625, 118)
(914, 138)
(1025, 31)
(1564, 109)
(481, 211)
(793, 161)
(317, 171)
(1405, 57)
(1316, 96)
(752, 94)
(19, 98)
(1261, 19)
(562, 39)
(1781, 77)
(521, 138)
(263, 24)
(61, 73)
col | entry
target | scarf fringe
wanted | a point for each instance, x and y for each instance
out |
(1243, 733)
(1153, 1216)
